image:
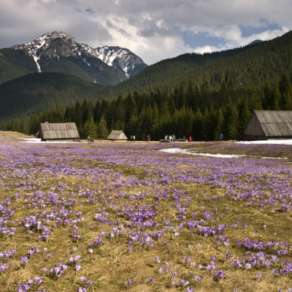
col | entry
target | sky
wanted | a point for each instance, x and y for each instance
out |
(153, 29)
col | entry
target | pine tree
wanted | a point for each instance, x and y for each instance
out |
(197, 131)
(102, 129)
(231, 122)
(244, 116)
(219, 125)
(90, 128)
(286, 93)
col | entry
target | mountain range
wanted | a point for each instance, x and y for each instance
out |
(59, 52)
(254, 65)
(29, 71)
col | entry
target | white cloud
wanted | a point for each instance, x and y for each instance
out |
(207, 49)
(233, 36)
(153, 29)
(154, 47)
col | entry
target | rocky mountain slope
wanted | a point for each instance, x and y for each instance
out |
(121, 58)
(59, 52)
(251, 68)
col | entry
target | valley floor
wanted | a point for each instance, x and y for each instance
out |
(128, 217)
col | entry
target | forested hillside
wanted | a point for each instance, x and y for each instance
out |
(196, 95)
(41, 92)
(14, 64)
(200, 112)
(248, 67)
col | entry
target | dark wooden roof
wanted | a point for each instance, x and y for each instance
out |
(58, 131)
(270, 124)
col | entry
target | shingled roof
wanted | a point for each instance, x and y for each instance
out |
(58, 131)
(270, 124)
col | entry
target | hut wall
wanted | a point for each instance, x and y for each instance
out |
(254, 128)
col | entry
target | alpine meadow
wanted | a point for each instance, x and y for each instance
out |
(145, 146)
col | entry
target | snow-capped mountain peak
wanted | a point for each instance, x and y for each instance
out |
(120, 58)
(56, 45)
(38, 46)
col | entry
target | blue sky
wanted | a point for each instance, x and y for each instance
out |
(154, 29)
(201, 39)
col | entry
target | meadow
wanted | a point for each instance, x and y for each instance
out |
(127, 217)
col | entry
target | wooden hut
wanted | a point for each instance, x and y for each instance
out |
(117, 135)
(58, 131)
(269, 124)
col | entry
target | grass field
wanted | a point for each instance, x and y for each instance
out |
(127, 217)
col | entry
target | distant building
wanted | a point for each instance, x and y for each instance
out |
(117, 135)
(58, 131)
(269, 124)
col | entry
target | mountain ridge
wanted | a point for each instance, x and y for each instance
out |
(261, 61)
(60, 52)
(40, 92)
(245, 69)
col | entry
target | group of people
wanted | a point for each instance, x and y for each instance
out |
(170, 138)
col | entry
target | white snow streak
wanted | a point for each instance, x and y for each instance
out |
(36, 60)
(218, 155)
(267, 142)
(39, 141)
(184, 151)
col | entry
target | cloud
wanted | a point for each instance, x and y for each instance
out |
(154, 29)
(233, 37)
(207, 49)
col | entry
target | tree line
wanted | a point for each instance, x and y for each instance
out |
(187, 110)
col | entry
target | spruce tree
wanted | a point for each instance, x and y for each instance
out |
(231, 122)
(102, 129)
(219, 125)
(90, 128)
(244, 116)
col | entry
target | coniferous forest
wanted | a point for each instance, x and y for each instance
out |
(201, 112)
(203, 96)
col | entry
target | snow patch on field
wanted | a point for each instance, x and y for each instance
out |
(174, 150)
(39, 141)
(218, 155)
(267, 142)
(184, 151)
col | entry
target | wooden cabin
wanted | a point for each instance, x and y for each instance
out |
(269, 124)
(117, 135)
(58, 131)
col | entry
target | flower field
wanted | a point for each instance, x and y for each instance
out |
(114, 217)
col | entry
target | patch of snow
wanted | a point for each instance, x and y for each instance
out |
(36, 60)
(173, 150)
(39, 141)
(31, 140)
(267, 142)
(218, 155)
(274, 158)
(119, 58)
(184, 151)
